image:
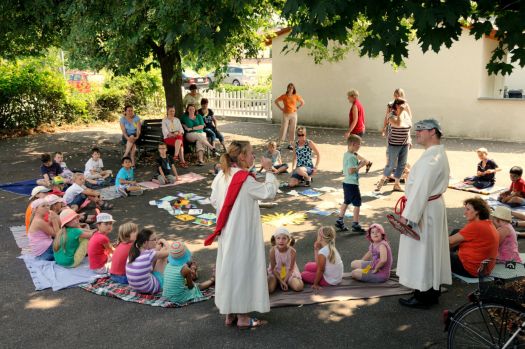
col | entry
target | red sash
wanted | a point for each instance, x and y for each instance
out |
(231, 195)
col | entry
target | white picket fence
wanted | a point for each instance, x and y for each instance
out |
(245, 104)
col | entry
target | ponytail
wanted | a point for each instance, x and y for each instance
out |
(328, 235)
(141, 239)
(231, 158)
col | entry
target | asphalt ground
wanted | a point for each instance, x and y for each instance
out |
(76, 318)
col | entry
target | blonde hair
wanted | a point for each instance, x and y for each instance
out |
(60, 240)
(125, 230)
(482, 150)
(272, 144)
(399, 92)
(327, 233)
(353, 93)
(353, 139)
(77, 175)
(232, 155)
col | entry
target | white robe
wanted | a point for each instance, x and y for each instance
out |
(241, 285)
(425, 264)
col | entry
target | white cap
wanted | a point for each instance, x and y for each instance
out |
(282, 231)
(39, 189)
(53, 199)
(104, 218)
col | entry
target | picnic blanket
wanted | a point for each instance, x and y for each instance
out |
(106, 287)
(109, 193)
(499, 271)
(20, 188)
(348, 289)
(493, 202)
(183, 179)
(19, 233)
(460, 185)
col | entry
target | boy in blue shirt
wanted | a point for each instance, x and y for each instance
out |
(125, 177)
(351, 166)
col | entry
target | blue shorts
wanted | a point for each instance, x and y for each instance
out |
(78, 200)
(309, 170)
(285, 166)
(121, 279)
(352, 194)
(160, 277)
(47, 255)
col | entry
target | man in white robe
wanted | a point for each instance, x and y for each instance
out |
(425, 264)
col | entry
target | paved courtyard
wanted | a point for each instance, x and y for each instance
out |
(76, 318)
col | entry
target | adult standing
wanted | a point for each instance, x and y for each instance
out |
(241, 286)
(194, 125)
(399, 93)
(131, 127)
(303, 168)
(290, 101)
(424, 264)
(399, 141)
(356, 117)
(193, 97)
(173, 134)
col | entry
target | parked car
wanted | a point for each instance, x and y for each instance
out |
(191, 77)
(237, 75)
(79, 81)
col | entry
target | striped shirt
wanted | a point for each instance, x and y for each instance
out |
(139, 273)
(398, 135)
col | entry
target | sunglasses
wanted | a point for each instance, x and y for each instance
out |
(300, 135)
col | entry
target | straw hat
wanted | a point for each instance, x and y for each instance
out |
(66, 216)
(502, 213)
(178, 253)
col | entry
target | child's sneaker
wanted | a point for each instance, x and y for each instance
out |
(123, 192)
(357, 228)
(340, 225)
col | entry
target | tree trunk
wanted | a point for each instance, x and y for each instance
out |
(171, 70)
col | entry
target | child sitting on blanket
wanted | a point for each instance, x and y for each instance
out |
(41, 232)
(376, 263)
(166, 171)
(146, 262)
(179, 275)
(70, 245)
(99, 246)
(515, 196)
(67, 174)
(277, 163)
(49, 169)
(94, 170)
(508, 240)
(127, 233)
(486, 175)
(327, 270)
(125, 181)
(77, 194)
(283, 270)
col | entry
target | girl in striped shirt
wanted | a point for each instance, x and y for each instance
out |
(146, 262)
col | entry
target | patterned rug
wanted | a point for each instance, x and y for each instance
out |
(106, 287)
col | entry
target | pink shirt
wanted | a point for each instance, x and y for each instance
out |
(120, 256)
(508, 249)
(39, 242)
(97, 254)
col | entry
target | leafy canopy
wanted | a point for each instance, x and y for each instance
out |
(387, 26)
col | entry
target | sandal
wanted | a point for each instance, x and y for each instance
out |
(106, 206)
(254, 323)
(368, 165)
(397, 188)
(379, 185)
(183, 164)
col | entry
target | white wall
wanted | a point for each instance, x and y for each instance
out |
(446, 86)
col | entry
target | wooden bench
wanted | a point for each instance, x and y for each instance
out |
(150, 136)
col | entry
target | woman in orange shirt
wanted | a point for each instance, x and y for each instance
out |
(289, 120)
(477, 241)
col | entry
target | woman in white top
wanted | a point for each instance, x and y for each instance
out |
(173, 134)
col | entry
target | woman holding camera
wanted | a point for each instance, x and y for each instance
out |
(398, 143)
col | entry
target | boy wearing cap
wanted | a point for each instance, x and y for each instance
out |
(508, 239)
(99, 246)
(515, 196)
(424, 264)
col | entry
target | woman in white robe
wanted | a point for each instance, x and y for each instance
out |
(241, 282)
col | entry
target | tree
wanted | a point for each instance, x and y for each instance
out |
(387, 26)
(127, 35)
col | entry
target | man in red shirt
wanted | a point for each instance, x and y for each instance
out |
(515, 196)
(356, 117)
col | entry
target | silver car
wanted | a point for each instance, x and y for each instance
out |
(237, 75)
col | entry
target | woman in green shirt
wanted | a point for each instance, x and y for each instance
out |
(193, 124)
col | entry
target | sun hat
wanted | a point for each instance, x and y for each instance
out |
(178, 253)
(378, 227)
(66, 216)
(38, 202)
(37, 190)
(58, 180)
(282, 231)
(428, 124)
(53, 199)
(104, 218)
(503, 213)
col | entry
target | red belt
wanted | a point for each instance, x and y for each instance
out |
(401, 203)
